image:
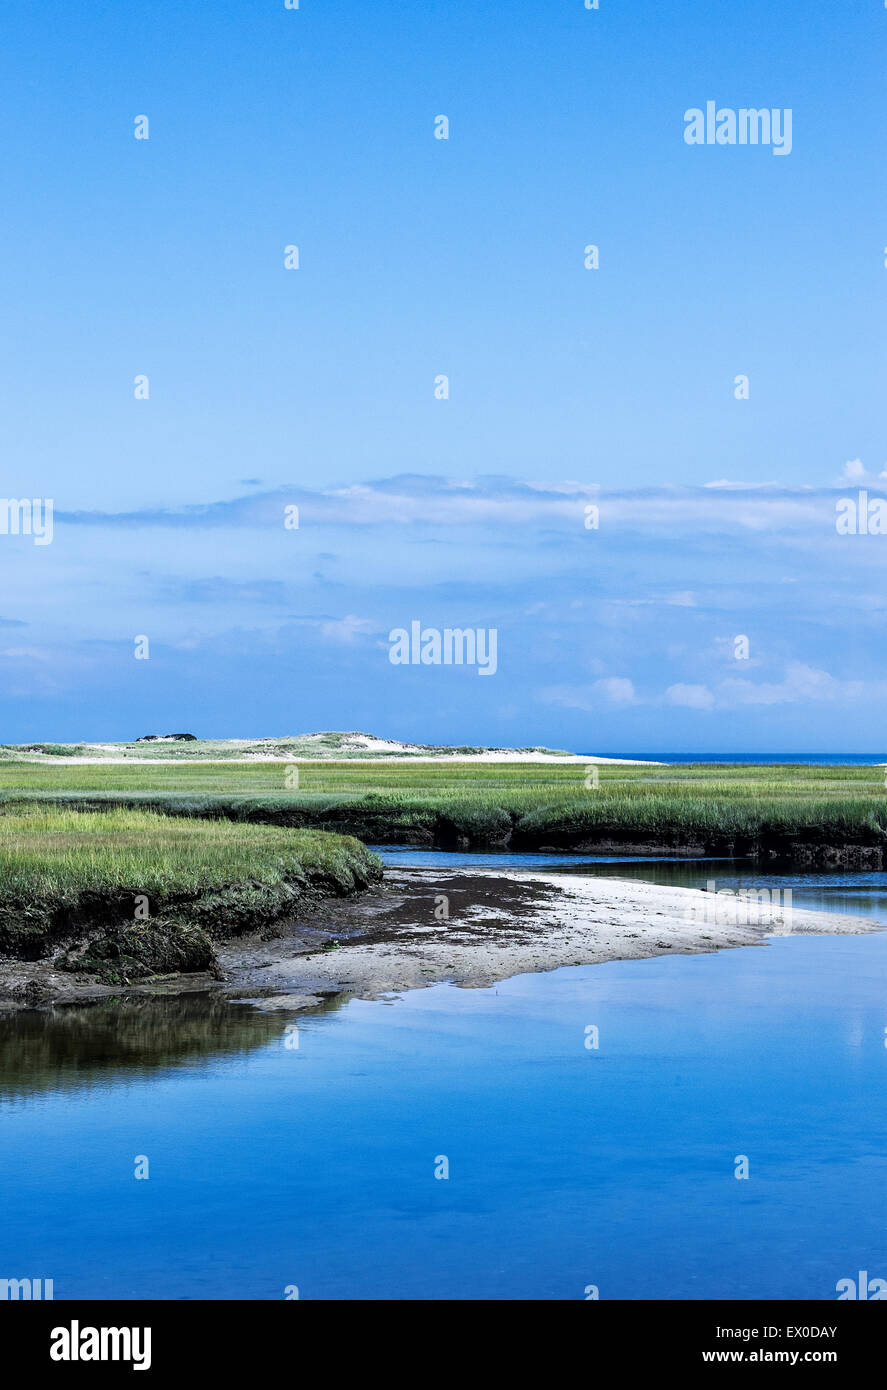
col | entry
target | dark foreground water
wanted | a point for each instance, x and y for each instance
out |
(273, 1166)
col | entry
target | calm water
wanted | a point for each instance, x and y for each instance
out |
(273, 1166)
(764, 759)
(861, 894)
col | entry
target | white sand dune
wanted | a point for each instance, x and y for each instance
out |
(358, 745)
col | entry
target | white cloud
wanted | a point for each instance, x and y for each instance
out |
(690, 696)
(440, 502)
(611, 690)
(729, 486)
(348, 629)
(617, 689)
(800, 684)
(682, 599)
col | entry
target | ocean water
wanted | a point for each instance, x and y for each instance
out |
(274, 1166)
(762, 759)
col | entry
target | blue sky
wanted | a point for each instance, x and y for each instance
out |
(271, 127)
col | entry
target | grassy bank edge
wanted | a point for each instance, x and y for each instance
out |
(123, 894)
(814, 831)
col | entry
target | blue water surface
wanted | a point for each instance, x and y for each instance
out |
(764, 759)
(273, 1166)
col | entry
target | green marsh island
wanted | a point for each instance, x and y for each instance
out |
(125, 864)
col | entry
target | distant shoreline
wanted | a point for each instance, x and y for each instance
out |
(52, 760)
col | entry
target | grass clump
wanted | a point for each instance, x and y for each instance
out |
(128, 892)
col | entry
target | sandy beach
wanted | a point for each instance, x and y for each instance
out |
(304, 748)
(501, 923)
(491, 756)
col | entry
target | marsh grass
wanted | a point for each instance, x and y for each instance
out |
(59, 850)
(485, 800)
(76, 877)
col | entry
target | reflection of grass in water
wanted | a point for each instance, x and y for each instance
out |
(486, 800)
(82, 1046)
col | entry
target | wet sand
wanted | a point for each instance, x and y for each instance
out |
(470, 927)
(500, 923)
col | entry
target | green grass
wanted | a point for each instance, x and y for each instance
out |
(64, 852)
(534, 803)
(138, 887)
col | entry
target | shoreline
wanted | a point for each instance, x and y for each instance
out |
(501, 923)
(372, 759)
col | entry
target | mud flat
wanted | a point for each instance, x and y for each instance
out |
(465, 926)
(500, 923)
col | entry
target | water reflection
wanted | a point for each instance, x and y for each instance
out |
(78, 1046)
(860, 892)
(615, 1166)
(81, 1046)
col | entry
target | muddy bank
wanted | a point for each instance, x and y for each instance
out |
(423, 926)
(502, 924)
(468, 927)
(95, 937)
